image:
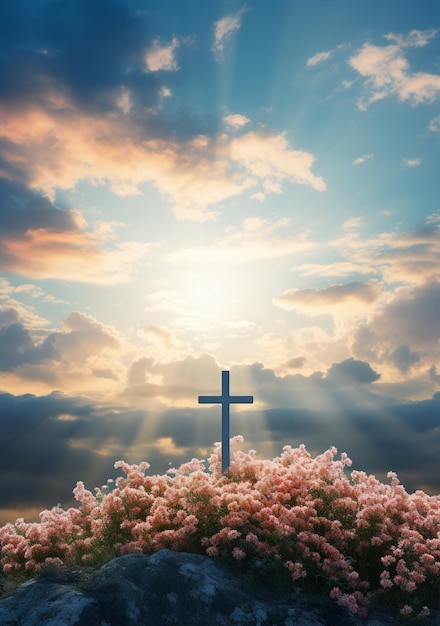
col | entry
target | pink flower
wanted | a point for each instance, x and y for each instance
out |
(304, 512)
(238, 554)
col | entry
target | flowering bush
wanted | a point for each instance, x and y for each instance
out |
(304, 518)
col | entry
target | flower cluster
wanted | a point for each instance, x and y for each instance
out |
(358, 539)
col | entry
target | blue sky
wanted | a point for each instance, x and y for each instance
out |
(193, 186)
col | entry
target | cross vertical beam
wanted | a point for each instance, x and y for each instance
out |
(225, 400)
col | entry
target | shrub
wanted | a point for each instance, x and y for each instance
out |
(304, 520)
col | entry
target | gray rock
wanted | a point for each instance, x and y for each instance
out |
(165, 588)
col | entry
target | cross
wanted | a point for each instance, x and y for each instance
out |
(225, 400)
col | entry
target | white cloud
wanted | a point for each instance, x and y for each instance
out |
(256, 239)
(362, 159)
(224, 29)
(162, 57)
(387, 72)
(319, 57)
(414, 39)
(236, 120)
(269, 158)
(343, 268)
(353, 223)
(434, 124)
(411, 162)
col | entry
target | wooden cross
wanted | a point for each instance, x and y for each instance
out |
(225, 400)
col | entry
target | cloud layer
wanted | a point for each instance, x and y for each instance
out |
(97, 112)
(82, 441)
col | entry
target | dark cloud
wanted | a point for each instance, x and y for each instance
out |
(295, 363)
(433, 374)
(404, 358)
(344, 383)
(87, 49)
(61, 56)
(427, 231)
(403, 331)
(22, 209)
(351, 372)
(48, 443)
(416, 315)
(17, 345)
(82, 336)
(365, 292)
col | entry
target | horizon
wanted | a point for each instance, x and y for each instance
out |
(210, 187)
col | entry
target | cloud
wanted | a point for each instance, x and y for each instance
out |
(351, 372)
(81, 356)
(342, 268)
(411, 257)
(39, 240)
(64, 43)
(83, 439)
(411, 162)
(270, 158)
(160, 341)
(406, 332)
(403, 358)
(321, 301)
(319, 57)
(236, 120)
(162, 57)
(82, 336)
(434, 124)
(194, 174)
(386, 71)
(77, 104)
(295, 363)
(160, 334)
(174, 383)
(374, 317)
(433, 374)
(398, 333)
(224, 28)
(17, 345)
(255, 239)
(40, 433)
(22, 209)
(362, 159)
(414, 39)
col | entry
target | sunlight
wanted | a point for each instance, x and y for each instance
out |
(208, 293)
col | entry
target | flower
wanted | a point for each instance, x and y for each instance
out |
(306, 515)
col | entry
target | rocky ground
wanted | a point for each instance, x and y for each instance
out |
(167, 588)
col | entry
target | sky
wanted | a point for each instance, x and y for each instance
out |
(188, 187)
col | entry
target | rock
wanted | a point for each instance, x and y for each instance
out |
(165, 588)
